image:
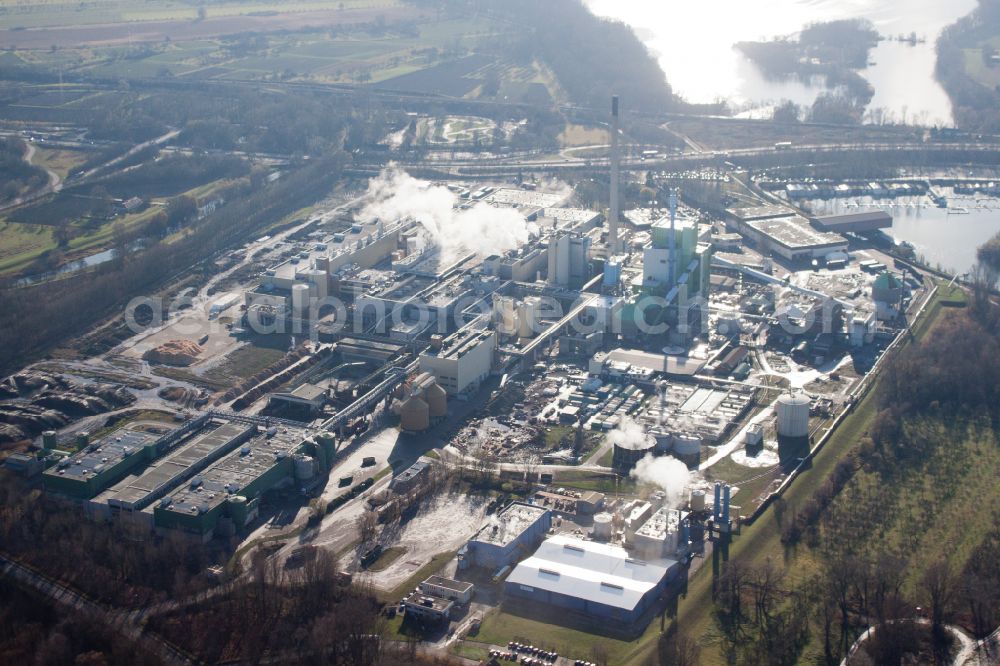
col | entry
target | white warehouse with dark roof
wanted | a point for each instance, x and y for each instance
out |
(596, 579)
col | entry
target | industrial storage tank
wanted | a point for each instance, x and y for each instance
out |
(687, 445)
(697, 500)
(793, 415)
(627, 454)
(414, 414)
(603, 526)
(49, 439)
(437, 400)
(238, 510)
(664, 439)
(304, 467)
(300, 299)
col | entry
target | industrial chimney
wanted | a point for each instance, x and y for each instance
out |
(615, 178)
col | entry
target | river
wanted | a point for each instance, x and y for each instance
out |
(693, 42)
(945, 238)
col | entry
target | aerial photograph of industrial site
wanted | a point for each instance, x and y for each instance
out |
(539, 332)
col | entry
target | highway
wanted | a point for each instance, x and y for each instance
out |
(506, 166)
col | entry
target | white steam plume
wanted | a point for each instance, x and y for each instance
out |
(667, 473)
(629, 434)
(482, 229)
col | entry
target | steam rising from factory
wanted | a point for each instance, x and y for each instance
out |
(668, 474)
(480, 228)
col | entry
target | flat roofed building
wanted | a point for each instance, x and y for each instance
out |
(378, 352)
(509, 196)
(740, 216)
(853, 222)
(458, 591)
(231, 484)
(793, 238)
(188, 459)
(410, 477)
(596, 579)
(509, 536)
(101, 464)
(427, 608)
(463, 360)
(307, 395)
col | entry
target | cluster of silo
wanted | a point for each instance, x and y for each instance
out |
(793, 418)
(422, 402)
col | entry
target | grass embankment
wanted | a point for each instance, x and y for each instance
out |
(500, 627)
(433, 566)
(388, 556)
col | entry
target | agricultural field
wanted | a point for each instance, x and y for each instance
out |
(58, 160)
(21, 243)
(35, 14)
(374, 51)
(581, 135)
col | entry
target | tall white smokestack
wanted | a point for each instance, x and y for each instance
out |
(615, 178)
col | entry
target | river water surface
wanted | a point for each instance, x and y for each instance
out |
(693, 41)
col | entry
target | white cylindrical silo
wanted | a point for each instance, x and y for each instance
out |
(603, 526)
(300, 299)
(793, 415)
(687, 445)
(697, 500)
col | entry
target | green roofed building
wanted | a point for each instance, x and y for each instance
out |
(232, 486)
(101, 464)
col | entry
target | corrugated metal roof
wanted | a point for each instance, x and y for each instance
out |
(597, 572)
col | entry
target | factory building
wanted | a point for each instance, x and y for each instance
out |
(521, 265)
(461, 361)
(862, 329)
(598, 580)
(568, 259)
(307, 397)
(508, 537)
(665, 534)
(101, 464)
(410, 477)
(447, 588)
(136, 493)
(793, 238)
(692, 258)
(231, 487)
(291, 287)
(853, 222)
(888, 291)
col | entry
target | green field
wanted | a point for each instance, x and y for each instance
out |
(43, 13)
(20, 244)
(350, 54)
(500, 627)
